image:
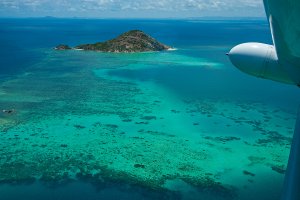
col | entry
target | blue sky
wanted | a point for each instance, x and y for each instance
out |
(131, 8)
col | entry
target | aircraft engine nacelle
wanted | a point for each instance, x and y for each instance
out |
(259, 60)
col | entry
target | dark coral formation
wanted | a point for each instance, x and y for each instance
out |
(222, 139)
(148, 118)
(210, 186)
(279, 169)
(248, 173)
(273, 137)
(139, 166)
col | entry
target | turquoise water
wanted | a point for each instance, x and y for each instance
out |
(181, 124)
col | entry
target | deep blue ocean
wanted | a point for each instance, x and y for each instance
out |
(21, 40)
(25, 43)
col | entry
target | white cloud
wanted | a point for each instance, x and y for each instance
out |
(176, 6)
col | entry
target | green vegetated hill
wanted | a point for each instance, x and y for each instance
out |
(131, 41)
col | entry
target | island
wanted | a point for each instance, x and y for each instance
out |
(129, 42)
(62, 47)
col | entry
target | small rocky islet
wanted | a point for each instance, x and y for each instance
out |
(62, 47)
(129, 42)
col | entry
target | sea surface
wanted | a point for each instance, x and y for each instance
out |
(182, 124)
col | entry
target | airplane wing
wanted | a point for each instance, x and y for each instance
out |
(284, 19)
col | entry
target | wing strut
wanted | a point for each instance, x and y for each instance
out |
(291, 188)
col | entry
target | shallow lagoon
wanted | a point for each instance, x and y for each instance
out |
(180, 124)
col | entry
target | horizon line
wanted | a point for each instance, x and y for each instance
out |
(145, 18)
